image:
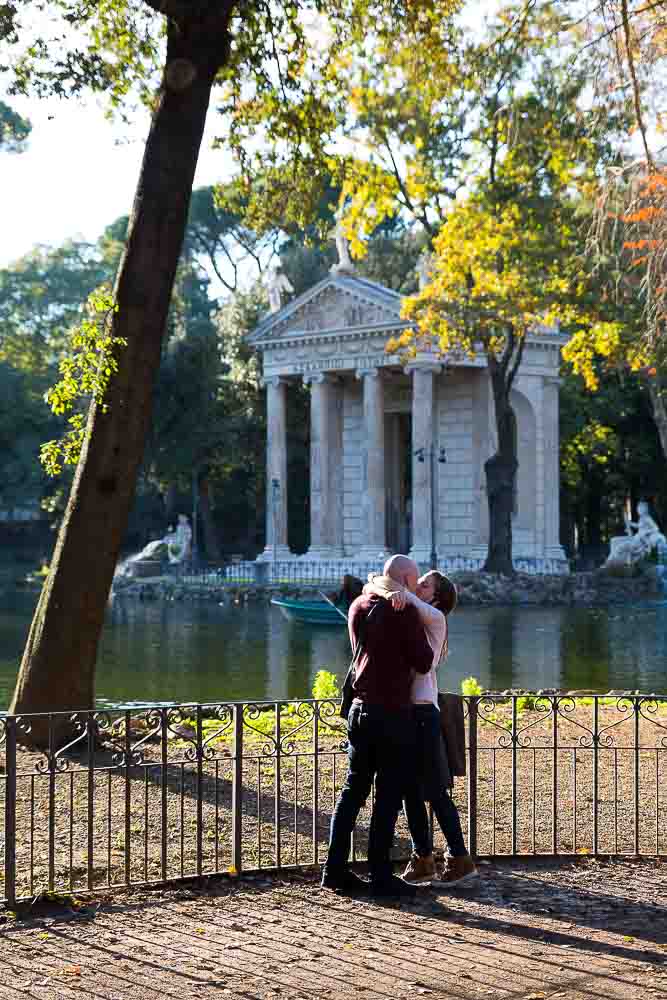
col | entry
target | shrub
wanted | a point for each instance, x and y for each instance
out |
(325, 685)
(471, 688)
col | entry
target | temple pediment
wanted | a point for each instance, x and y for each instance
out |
(340, 302)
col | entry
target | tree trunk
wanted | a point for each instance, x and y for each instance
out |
(501, 471)
(658, 397)
(58, 668)
(170, 503)
(211, 542)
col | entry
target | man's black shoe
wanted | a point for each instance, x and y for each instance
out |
(393, 886)
(346, 882)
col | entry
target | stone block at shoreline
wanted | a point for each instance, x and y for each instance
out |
(474, 588)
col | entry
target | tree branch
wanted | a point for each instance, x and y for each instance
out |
(639, 115)
(178, 10)
(518, 357)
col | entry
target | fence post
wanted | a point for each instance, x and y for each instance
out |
(200, 785)
(261, 574)
(10, 811)
(472, 775)
(237, 791)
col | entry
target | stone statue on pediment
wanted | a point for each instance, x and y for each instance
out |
(345, 264)
(277, 282)
(353, 315)
(424, 269)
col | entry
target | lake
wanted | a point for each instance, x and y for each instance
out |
(185, 652)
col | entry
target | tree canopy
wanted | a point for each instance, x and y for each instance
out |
(14, 130)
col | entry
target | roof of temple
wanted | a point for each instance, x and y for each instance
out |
(340, 300)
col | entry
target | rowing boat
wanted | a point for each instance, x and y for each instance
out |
(310, 612)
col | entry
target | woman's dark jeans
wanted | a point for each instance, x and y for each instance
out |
(426, 787)
(381, 747)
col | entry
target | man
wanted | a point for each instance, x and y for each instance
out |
(381, 733)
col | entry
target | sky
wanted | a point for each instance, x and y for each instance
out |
(77, 175)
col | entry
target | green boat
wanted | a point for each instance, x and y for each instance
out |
(310, 612)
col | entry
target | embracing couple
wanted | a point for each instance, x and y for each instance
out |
(398, 632)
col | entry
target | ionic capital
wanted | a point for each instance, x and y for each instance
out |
(362, 373)
(423, 366)
(318, 378)
(272, 380)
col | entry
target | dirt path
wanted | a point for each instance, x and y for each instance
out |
(584, 931)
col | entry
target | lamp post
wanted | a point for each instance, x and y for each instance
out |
(442, 459)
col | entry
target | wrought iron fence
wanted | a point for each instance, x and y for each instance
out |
(150, 795)
(305, 572)
(296, 572)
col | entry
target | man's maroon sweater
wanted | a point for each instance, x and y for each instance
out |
(395, 646)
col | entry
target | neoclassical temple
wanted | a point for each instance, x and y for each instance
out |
(398, 451)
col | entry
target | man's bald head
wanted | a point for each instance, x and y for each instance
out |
(403, 570)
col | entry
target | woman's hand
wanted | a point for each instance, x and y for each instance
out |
(398, 600)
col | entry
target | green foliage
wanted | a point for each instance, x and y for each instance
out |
(284, 123)
(325, 686)
(220, 236)
(42, 296)
(115, 49)
(594, 445)
(471, 688)
(609, 450)
(23, 422)
(188, 414)
(14, 130)
(85, 374)
(503, 259)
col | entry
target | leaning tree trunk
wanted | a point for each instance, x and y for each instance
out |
(501, 471)
(58, 667)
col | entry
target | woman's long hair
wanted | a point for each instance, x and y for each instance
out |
(444, 597)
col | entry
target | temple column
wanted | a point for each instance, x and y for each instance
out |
(325, 466)
(276, 469)
(550, 465)
(424, 462)
(336, 484)
(373, 504)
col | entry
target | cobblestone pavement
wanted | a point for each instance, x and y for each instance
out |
(583, 930)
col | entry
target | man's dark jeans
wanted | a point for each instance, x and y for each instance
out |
(381, 747)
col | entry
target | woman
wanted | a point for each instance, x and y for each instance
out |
(434, 600)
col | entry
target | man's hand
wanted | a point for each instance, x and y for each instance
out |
(398, 600)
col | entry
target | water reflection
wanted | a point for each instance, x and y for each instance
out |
(168, 651)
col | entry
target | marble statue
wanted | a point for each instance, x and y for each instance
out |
(277, 282)
(176, 546)
(345, 262)
(423, 269)
(179, 544)
(627, 549)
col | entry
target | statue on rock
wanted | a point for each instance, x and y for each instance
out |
(277, 282)
(628, 549)
(176, 546)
